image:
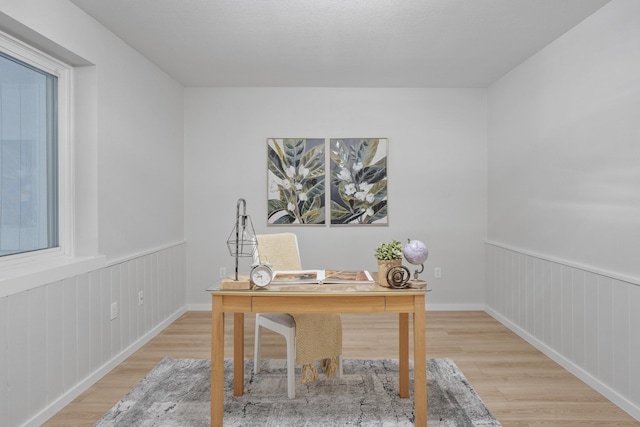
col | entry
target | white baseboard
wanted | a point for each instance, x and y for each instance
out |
(199, 307)
(455, 307)
(83, 385)
(619, 400)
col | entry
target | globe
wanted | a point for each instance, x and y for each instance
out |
(415, 252)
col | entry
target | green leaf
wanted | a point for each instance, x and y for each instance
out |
(379, 212)
(314, 215)
(371, 175)
(293, 148)
(388, 251)
(338, 213)
(339, 209)
(381, 163)
(370, 152)
(316, 190)
(314, 161)
(276, 165)
(275, 206)
(313, 203)
(379, 187)
(355, 215)
(338, 153)
(285, 219)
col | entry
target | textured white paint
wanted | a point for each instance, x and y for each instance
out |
(17, 361)
(562, 152)
(634, 343)
(621, 346)
(336, 43)
(563, 195)
(37, 354)
(56, 336)
(591, 317)
(54, 342)
(563, 146)
(71, 332)
(436, 176)
(4, 362)
(606, 332)
(130, 132)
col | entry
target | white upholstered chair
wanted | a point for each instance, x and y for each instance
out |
(281, 250)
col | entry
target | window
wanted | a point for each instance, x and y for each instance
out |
(30, 150)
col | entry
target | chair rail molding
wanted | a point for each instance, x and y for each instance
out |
(584, 319)
(66, 329)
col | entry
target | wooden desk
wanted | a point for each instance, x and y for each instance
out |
(368, 298)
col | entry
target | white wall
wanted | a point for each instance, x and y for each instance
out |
(562, 189)
(136, 127)
(583, 320)
(563, 146)
(57, 336)
(564, 201)
(140, 155)
(56, 340)
(437, 177)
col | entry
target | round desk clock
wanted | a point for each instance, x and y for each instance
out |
(261, 275)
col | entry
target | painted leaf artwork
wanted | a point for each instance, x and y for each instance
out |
(296, 181)
(358, 181)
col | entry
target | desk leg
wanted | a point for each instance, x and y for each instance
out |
(403, 332)
(217, 362)
(238, 354)
(420, 362)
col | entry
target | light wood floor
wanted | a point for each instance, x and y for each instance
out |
(519, 385)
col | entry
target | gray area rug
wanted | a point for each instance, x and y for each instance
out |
(176, 393)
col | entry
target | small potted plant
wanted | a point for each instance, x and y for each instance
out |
(388, 255)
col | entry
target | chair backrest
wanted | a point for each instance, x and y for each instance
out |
(280, 249)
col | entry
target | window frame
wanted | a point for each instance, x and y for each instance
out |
(64, 73)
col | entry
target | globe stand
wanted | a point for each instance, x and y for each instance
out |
(416, 283)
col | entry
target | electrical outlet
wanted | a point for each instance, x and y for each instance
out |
(114, 310)
(223, 272)
(140, 298)
(437, 273)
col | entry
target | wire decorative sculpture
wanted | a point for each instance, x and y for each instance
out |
(242, 241)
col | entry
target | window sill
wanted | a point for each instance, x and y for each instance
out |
(29, 275)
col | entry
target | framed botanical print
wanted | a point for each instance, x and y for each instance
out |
(296, 181)
(358, 174)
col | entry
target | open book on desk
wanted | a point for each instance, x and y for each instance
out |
(281, 277)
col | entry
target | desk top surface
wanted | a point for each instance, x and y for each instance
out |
(317, 289)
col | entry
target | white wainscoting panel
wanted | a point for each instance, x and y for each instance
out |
(587, 321)
(57, 339)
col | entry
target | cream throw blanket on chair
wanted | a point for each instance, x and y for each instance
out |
(318, 336)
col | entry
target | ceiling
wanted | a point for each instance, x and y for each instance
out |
(338, 43)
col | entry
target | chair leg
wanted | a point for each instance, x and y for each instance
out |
(291, 363)
(256, 349)
(339, 373)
